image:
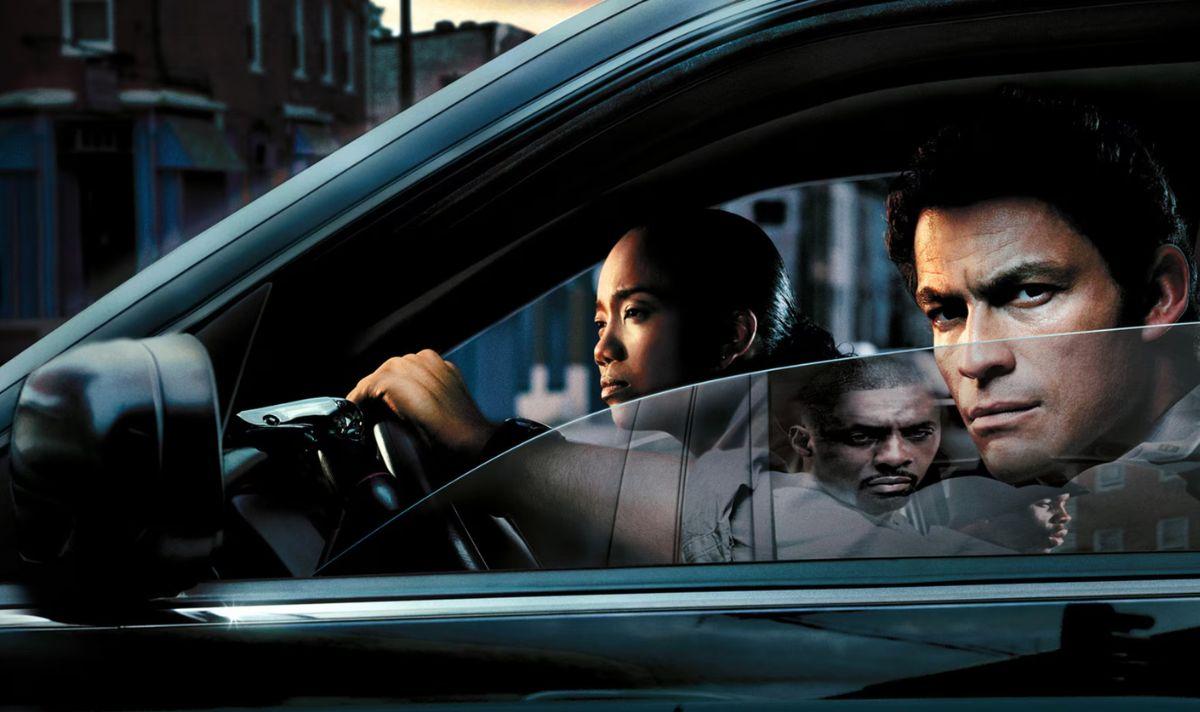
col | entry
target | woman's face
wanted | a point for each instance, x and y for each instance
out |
(639, 346)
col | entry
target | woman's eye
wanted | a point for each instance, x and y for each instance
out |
(635, 313)
(600, 325)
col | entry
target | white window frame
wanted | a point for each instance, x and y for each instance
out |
(298, 37)
(1114, 472)
(348, 51)
(1096, 535)
(327, 38)
(1160, 528)
(255, 20)
(85, 48)
(366, 58)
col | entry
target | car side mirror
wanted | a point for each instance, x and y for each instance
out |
(117, 475)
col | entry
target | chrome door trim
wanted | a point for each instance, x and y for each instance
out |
(398, 609)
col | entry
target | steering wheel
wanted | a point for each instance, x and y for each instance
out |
(361, 504)
(390, 521)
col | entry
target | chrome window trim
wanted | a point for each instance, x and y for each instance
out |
(235, 614)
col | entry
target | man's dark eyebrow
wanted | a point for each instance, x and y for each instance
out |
(1007, 280)
(854, 425)
(1004, 282)
(929, 295)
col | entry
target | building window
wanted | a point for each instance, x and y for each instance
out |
(1110, 478)
(298, 40)
(1108, 540)
(254, 36)
(87, 26)
(327, 43)
(1172, 533)
(348, 51)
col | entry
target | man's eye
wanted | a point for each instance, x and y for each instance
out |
(939, 319)
(857, 438)
(1032, 295)
(919, 434)
(945, 316)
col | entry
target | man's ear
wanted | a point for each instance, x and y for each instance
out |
(801, 440)
(1170, 279)
(739, 339)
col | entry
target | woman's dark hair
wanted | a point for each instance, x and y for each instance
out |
(1095, 171)
(717, 263)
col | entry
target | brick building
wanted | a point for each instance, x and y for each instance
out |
(128, 126)
(1133, 508)
(440, 56)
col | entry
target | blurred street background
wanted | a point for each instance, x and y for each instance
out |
(127, 127)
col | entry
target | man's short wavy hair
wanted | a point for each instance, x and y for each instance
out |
(1094, 170)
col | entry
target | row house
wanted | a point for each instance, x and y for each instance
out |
(129, 126)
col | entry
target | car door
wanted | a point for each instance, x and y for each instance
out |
(811, 599)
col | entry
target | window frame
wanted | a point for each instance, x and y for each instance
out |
(327, 54)
(1118, 480)
(348, 51)
(1117, 532)
(300, 51)
(86, 48)
(254, 36)
(1160, 533)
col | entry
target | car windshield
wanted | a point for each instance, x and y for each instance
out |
(1075, 443)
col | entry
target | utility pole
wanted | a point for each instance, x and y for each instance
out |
(407, 90)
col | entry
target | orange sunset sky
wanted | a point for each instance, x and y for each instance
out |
(533, 15)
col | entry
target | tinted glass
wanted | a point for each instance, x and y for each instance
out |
(864, 458)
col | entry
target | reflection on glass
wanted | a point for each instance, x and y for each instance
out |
(1050, 450)
(864, 458)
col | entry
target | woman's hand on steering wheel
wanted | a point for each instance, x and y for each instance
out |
(429, 392)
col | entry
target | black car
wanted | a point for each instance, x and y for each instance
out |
(174, 539)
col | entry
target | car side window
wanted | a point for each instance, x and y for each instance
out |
(537, 363)
(865, 457)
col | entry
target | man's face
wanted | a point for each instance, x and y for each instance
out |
(874, 447)
(1010, 268)
(1034, 528)
(639, 345)
(1050, 519)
